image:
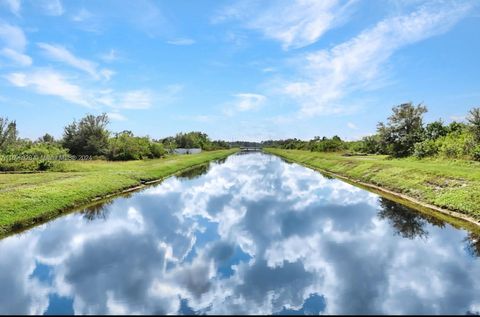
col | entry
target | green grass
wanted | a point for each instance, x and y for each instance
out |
(27, 199)
(452, 185)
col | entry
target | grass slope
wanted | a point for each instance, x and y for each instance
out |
(26, 199)
(452, 185)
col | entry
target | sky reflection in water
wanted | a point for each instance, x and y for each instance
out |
(251, 235)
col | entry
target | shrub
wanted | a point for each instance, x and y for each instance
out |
(476, 153)
(425, 148)
(157, 150)
(456, 145)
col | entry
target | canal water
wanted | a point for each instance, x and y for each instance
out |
(251, 234)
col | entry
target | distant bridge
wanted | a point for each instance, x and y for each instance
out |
(248, 149)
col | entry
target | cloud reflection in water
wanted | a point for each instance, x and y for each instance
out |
(250, 235)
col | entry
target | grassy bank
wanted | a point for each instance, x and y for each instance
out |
(26, 199)
(450, 185)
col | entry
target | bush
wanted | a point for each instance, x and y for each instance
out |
(425, 148)
(125, 146)
(476, 153)
(44, 165)
(157, 150)
(42, 150)
(456, 145)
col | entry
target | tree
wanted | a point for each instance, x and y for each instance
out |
(403, 129)
(474, 121)
(435, 130)
(47, 138)
(87, 137)
(125, 146)
(8, 133)
(371, 144)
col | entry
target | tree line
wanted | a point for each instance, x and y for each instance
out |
(90, 137)
(404, 134)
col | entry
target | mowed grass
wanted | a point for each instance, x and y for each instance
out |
(26, 199)
(453, 185)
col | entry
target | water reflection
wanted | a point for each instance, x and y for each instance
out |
(249, 235)
(96, 212)
(194, 172)
(406, 222)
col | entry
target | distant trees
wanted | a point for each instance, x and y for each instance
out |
(195, 140)
(8, 133)
(87, 137)
(125, 146)
(474, 121)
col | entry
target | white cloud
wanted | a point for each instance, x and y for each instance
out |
(181, 41)
(244, 102)
(352, 126)
(52, 7)
(61, 54)
(48, 82)
(19, 58)
(116, 116)
(82, 15)
(109, 57)
(293, 23)
(249, 101)
(136, 99)
(13, 5)
(12, 37)
(327, 76)
(13, 43)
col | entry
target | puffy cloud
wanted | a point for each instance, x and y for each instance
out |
(49, 82)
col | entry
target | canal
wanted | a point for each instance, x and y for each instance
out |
(251, 234)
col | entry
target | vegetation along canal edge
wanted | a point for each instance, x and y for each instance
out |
(47, 215)
(402, 198)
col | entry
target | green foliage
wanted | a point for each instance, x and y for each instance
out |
(192, 140)
(87, 137)
(474, 121)
(157, 150)
(8, 133)
(169, 144)
(426, 148)
(371, 144)
(46, 138)
(456, 145)
(124, 146)
(476, 153)
(52, 150)
(403, 129)
(435, 129)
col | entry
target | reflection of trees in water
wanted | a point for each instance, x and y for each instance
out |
(194, 172)
(96, 212)
(221, 161)
(407, 222)
(473, 244)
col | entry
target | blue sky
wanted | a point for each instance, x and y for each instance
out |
(237, 70)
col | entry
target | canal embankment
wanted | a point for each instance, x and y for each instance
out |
(29, 199)
(446, 187)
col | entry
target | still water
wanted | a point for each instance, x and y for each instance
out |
(251, 234)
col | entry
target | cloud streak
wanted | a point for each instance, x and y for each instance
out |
(294, 24)
(49, 82)
(329, 75)
(61, 54)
